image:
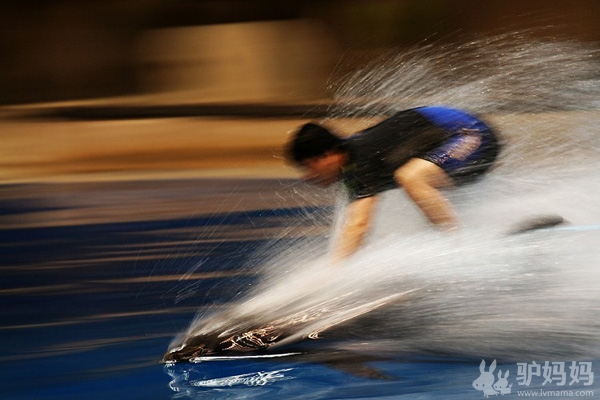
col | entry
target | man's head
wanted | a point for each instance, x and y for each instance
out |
(319, 153)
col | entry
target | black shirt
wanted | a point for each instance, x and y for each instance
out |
(376, 152)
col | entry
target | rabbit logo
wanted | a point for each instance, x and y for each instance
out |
(501, 384)
(485, 382)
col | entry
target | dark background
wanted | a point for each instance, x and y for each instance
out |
(71, 49)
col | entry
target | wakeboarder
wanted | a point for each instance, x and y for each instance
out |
(421, 150)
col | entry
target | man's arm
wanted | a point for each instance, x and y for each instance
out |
(357, 221)
(421, 180)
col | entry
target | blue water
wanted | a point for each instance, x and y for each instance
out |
(92, 295)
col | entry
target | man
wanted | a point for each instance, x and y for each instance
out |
(421, 150)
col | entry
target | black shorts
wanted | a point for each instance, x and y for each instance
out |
(466, 155)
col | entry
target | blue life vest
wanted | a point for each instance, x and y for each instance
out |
(452, 120)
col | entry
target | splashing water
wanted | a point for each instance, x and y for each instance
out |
(480, 292)
(508, 72)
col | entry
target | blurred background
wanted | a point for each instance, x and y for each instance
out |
(235, 49)
(142, 180)
(66, 65)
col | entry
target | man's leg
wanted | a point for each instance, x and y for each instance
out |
(421, 180)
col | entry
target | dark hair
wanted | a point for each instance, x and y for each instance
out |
(312, 140)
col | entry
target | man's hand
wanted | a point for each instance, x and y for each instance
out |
(357, 222)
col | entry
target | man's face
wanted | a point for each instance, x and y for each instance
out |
(323, 170)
